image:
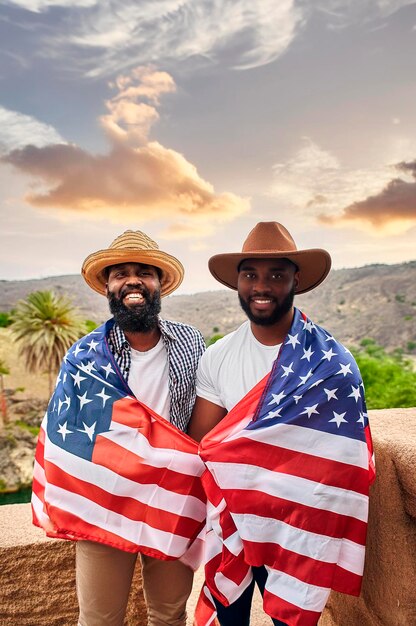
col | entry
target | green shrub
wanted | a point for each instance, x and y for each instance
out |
(90, 325)
(389, 379)
(34, 430)
(5, 319)
(213, 339)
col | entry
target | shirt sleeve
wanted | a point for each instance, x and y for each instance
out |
(207, 386)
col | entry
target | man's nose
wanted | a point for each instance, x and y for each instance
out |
(262, 285)
(134, 280)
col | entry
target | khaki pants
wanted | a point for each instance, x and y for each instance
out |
(104, 576)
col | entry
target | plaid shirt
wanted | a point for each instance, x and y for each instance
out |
(184, 346)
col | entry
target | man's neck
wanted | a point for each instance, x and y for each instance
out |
(274, 334)
(143, 341)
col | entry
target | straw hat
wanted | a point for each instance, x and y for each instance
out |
(132, 247)
(271, 240)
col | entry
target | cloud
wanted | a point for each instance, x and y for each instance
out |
(105, 37)
(138, 179)
(342, 13)
(37, 6)
(314, 177)
(319, 187)
(18, 130)
(392, 209)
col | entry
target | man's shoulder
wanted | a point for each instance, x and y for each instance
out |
(179, 329)
(225, 343)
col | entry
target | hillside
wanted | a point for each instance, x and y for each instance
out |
(377, 301)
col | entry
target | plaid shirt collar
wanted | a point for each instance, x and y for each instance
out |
(120, 345)
(184, 346)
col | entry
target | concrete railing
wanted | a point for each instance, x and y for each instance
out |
(37, 584)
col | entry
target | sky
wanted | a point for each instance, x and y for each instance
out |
(194, 120)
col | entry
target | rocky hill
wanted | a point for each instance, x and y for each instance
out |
(377, 301)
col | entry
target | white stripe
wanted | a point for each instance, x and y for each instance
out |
(39, 473)
(132, 440)
(292, 488)
(213, 546)
(111, 482)
(213, 515)
(307, 597)
(234, 544)
(138, 533)
(349, 557)
(310, 441)
(40, 514)
(318, 547)
(229, 588)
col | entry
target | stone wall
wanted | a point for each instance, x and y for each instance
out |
(37, 576)
(37, 586)
(388, 595)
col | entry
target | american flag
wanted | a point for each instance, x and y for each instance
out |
(289, 474)
(109, 469)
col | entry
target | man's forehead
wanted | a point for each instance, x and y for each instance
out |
(134, 265)
(273, 263)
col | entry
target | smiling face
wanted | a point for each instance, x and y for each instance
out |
(133, 292)
(266, 288)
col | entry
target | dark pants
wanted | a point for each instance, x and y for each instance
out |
(238, 613)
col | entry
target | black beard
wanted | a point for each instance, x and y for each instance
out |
(141, 318)
(279, 312)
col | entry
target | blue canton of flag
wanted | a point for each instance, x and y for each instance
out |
(88, 384)
(323, 391)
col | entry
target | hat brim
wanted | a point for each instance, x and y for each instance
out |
(314, 265)
(95, 264)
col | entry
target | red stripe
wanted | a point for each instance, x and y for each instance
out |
(125, 506)
(304, 568)
(129, 465)
(371, 466)
(287, 612)
(297, 515)
(40, 448)
(293, 463)
(159, 432)
(39, 490)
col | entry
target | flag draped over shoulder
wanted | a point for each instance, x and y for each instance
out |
(287, 481)
(109, 469)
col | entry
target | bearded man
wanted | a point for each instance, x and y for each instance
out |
(114, 468)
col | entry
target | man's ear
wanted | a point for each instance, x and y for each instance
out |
(296, 280)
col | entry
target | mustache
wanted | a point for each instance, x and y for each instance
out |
(126, 290)
(262, 295)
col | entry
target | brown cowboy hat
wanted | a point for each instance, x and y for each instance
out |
(132, 247)
(271, 240)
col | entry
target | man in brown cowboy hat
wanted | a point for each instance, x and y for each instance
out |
(281, 419)
(114, 471)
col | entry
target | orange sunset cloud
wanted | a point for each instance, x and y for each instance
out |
(137, 179)
(394, 208)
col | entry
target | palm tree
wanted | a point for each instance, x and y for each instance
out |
(45, 325)
(4, 370)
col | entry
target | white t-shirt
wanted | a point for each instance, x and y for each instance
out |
(232, 366)
(149, 378)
